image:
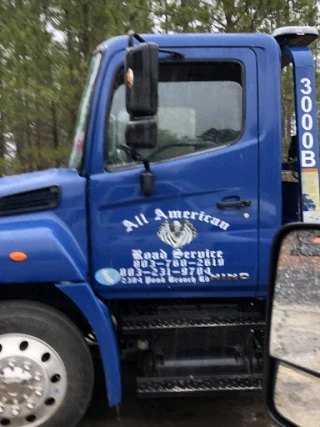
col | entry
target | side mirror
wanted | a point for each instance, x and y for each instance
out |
(141, 80)
(292, 381)
(141, 74)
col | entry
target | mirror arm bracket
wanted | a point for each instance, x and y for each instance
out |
(147, 178)
(132, 35)
(138, 158)
(134, 154)
(176, 55)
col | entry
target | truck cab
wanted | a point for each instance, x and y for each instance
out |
(153, 247)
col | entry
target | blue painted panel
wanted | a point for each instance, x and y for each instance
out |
(223, 241)
(55, 241)
(193, 40)
(270, 155)
(98, 316)
(53, 252)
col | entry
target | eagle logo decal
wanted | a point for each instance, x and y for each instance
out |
(177, 234)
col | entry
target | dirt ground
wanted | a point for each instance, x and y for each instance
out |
(236, 410)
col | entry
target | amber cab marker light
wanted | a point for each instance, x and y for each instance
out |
(129, 77)
(18, 256)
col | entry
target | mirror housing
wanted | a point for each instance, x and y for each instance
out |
(141, 80)
(292, 381)
(141, 133)
(141, 83)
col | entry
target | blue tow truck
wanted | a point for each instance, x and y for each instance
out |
(152, 249)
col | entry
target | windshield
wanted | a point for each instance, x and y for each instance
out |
(83, 115)
(200, 107)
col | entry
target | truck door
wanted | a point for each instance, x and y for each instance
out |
(197, 235)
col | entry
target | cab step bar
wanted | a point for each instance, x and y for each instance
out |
(155, 387)
(132, 324)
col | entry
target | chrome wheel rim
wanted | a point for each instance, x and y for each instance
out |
(33, 381)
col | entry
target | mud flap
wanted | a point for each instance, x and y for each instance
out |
(98, 317)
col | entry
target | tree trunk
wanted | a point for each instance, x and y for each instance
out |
(55, 132)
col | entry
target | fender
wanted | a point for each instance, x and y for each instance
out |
(98, 316)
(53, 253)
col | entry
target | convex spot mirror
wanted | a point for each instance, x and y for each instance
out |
(141, 81)
(141, 133)
(293, 338)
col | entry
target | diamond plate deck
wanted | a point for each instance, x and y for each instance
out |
(207, 384)
(139, 324)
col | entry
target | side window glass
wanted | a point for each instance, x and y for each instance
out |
(83, 114)
(200, 108)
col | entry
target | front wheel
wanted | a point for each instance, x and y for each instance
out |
(46, 370)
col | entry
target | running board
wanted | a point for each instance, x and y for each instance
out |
(131, 324)
(155, 387)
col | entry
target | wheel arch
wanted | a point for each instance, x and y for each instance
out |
(97, 314)
(78, 302)
(49, 294)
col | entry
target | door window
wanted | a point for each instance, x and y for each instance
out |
(201, 107)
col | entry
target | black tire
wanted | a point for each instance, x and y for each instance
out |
(55, 329)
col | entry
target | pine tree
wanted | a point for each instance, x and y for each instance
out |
(46, 45)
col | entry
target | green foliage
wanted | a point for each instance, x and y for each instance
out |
(45, 46)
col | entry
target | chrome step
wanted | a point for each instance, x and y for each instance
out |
(131, 324)
(153, 387)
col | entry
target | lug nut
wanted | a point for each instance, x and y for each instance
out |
(15, 411)
(27, 366)
(12, 364)
(37, 376)
(30, 404)
(39, 392)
